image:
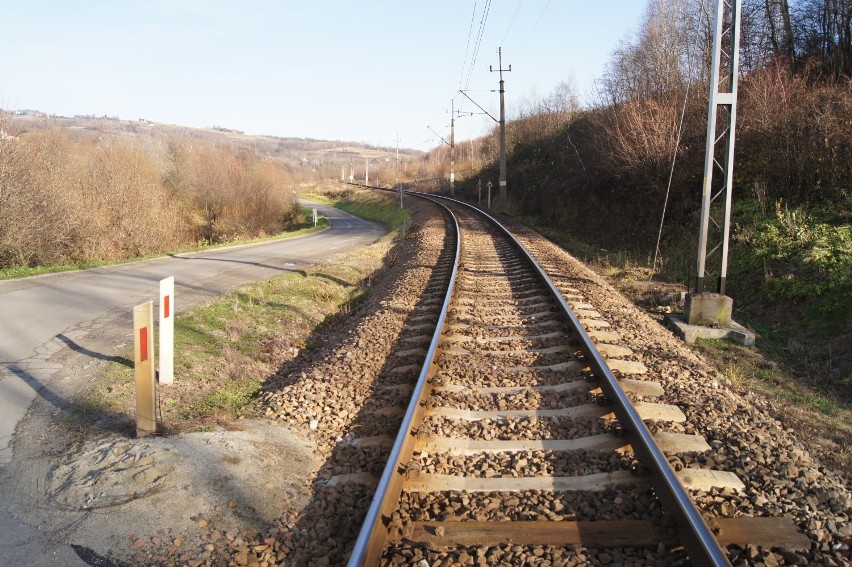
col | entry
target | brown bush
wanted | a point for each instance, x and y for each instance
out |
(64, 201)
(794, 136)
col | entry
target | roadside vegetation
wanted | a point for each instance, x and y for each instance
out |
(66, 202)
(226, 349)
(304, 225)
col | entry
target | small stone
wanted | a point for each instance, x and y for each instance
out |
(314, 424)
(232, 503)
(178, 542)
(138, 544)
(202, 523)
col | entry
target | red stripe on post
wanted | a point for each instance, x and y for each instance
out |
(165, 307)
(143, 344)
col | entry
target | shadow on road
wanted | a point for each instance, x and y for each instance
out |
(92, 354)
(246, 262)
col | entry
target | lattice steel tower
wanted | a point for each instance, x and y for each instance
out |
(721, 127)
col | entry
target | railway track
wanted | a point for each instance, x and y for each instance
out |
(532, 432)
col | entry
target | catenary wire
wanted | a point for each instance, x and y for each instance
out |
(529, 35)
(467, 46)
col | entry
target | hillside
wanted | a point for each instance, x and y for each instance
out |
(291, 150)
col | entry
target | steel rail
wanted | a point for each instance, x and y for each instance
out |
(694, 533)
(365, 551)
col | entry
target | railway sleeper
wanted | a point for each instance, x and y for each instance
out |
(766, 532)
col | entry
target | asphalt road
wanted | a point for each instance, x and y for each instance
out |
(44, 317)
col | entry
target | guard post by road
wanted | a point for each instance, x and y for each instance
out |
(167, 330)
(143, 365)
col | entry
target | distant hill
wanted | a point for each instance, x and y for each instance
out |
(291, 150)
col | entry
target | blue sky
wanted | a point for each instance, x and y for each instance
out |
(361, 70)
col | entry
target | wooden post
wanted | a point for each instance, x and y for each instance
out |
(143, 358)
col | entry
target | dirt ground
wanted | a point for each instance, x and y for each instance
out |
(112, 493)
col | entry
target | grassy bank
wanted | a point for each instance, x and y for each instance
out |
(227, 348)
(790, 275)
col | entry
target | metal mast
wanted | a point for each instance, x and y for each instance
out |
(721, 126)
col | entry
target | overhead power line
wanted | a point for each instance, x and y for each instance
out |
(512, 21)
(467, 46)
(485, 10)
(546, 6)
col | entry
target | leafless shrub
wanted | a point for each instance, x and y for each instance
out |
(64, 201)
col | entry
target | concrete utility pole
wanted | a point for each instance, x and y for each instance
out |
(351, 171)
(715, 308)
(451, 163)
(452, 148)
(397, 165)
(500, 70)
(366, 171)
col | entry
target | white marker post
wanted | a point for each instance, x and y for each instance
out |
(316, 218)
(167, 330)
(143, 369)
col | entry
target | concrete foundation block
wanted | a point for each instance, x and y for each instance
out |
(710, 309)
(689, 333)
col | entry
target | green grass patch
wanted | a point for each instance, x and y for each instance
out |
(317, 198)
(746, 368)
(374, 206)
